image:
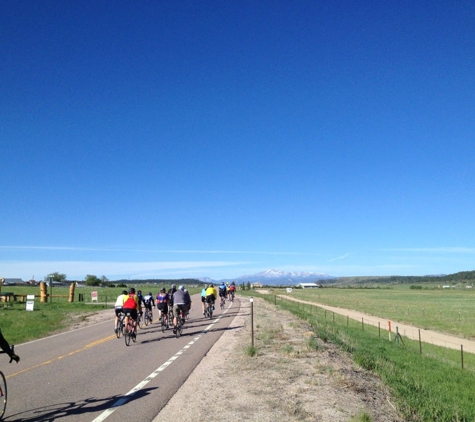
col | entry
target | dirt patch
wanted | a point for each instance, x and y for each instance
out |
(293, 377)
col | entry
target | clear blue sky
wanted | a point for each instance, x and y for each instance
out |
(169, 139)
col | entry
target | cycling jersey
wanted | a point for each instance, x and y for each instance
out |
(132, 302)
(119, 303)
(211, 291)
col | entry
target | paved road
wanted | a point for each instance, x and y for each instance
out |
(90, 375)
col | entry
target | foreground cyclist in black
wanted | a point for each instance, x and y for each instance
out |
(7, 349)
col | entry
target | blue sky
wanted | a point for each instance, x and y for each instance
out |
(191, 139)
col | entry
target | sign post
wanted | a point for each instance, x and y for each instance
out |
(252, 321)
(30, 302)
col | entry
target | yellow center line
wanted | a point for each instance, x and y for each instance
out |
(87, 346)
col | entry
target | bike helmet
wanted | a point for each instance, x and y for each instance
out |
(150, 293)
(163, 290)
(124, 292)
(131, 290)
(174, 286)
(181, 288)
(139, 292)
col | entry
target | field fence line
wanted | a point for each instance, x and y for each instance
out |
(405, 330)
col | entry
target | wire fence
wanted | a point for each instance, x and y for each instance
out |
(451, 350)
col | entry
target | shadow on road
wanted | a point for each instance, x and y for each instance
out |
(64, 410)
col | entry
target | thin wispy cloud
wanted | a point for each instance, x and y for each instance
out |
(172, 251)
(338, 258)
(433, 250)
(79, 269)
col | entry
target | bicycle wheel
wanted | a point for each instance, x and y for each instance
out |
(3, 394)
(145, 318)
(120, 328)
(128, 330)
(164, 323)
(178, 328)
(210, 311)
(139, 321)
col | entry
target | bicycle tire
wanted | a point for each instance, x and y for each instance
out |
(139, 321)
(210, 312)
(120, 328)
(164, 325)
(145, 318)
(3, 394)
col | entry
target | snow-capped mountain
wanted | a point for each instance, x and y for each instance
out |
(278, 277)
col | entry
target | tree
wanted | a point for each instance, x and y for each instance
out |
(56, 277)
(92, 280)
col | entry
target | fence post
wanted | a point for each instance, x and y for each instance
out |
(362, 324)
(420, 342)
(461, 353)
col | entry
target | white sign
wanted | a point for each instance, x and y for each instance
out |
(30, 304)
(289, 289)
(94, 296)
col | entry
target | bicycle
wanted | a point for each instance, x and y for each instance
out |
(209, 308)
(164, 321)
(139, 319)
(3, 389)
(120, 325)
(179, 323)
(231, 296)
(170, 315)
(147, 318)
(222, 302)
(129, 333)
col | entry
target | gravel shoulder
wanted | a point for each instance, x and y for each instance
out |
(293, 377)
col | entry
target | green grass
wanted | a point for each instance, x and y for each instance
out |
(425, 387)
(443, 310)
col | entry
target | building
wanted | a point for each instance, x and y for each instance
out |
(308, 285)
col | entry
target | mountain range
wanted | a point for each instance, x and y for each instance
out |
(277, 277)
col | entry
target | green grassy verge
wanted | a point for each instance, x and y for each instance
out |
(426, 387)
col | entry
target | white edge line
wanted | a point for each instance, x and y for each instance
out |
(155, 373)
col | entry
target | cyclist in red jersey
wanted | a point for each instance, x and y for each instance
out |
(132, 307)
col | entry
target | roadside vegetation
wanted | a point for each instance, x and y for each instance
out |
(428, 386)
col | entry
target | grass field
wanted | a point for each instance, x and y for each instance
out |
(445, 310)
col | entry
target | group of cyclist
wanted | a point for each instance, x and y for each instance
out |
(130, 304)
(209, 294)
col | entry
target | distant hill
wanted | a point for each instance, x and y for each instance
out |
(460, 277)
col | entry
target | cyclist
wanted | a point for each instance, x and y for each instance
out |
(171, 292)
(232, 290)
(149, 302)
(180, 301)
(203, 298)
(141, 300)
(7, 349)
(132, 307)
(222, 291)
(211, 295)
(119, 307)
(162, 303)
(188, 303)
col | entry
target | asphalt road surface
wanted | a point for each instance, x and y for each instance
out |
(89, 375)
